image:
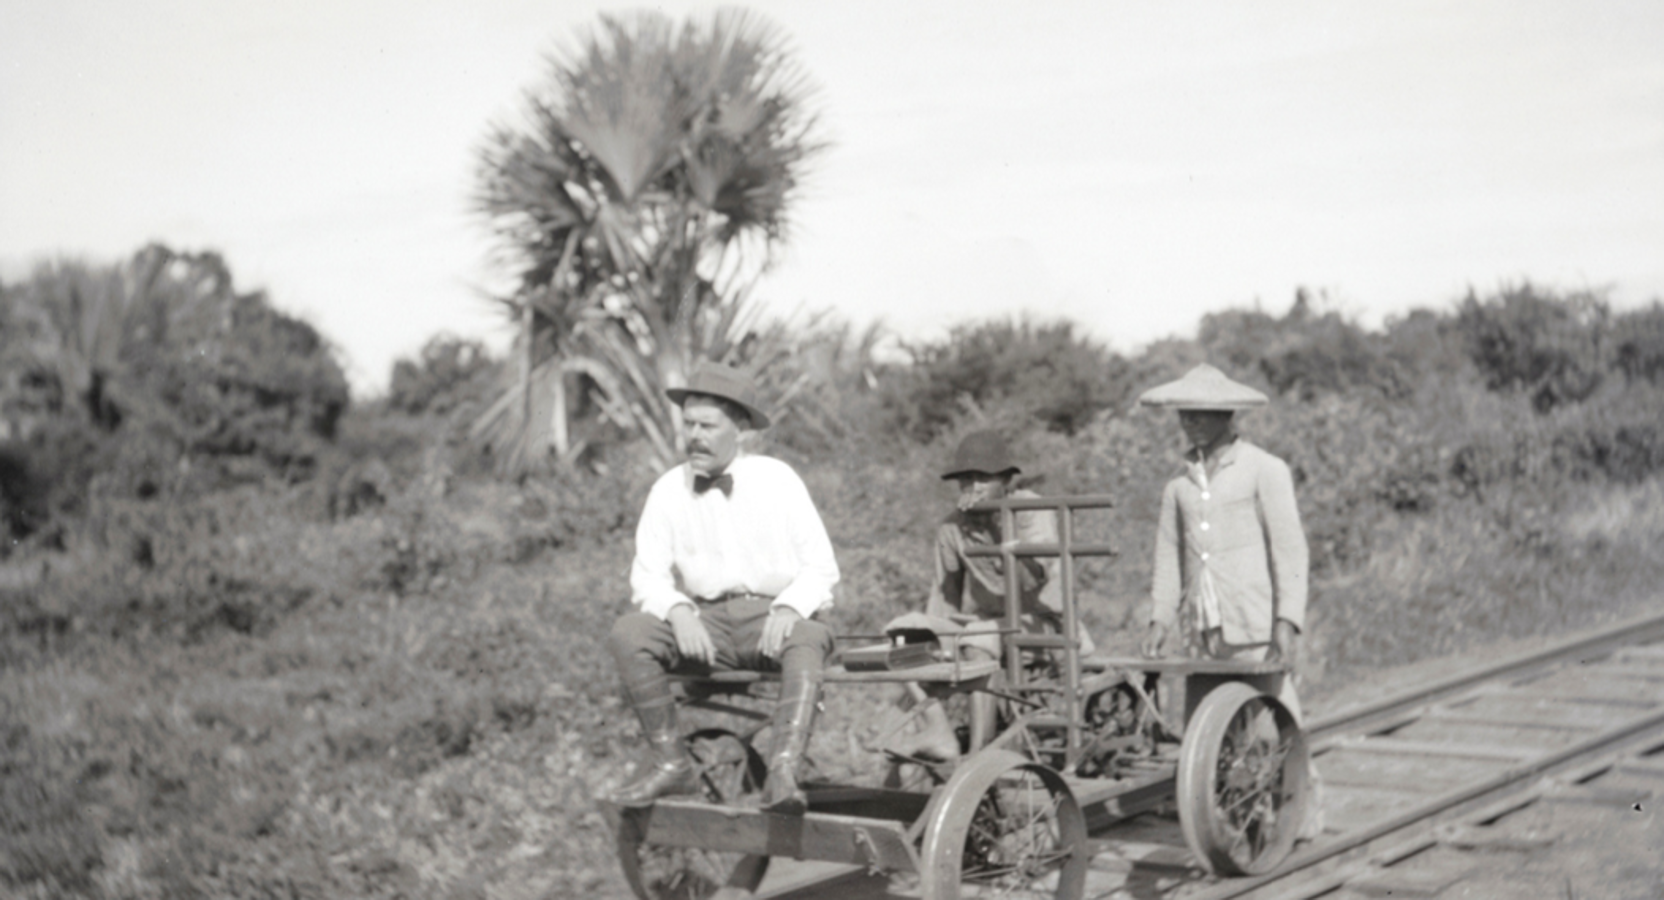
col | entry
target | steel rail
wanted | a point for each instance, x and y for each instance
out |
(1635, 631)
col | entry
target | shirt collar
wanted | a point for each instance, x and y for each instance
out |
(1227, 452)
(688, 474)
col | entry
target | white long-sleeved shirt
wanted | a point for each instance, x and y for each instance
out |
(766, 538)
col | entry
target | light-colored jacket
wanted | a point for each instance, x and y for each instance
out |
(1230, 551)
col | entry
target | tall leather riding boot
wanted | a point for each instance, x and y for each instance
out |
(794, 720)
(668, 769)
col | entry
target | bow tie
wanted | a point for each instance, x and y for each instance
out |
(723, 483)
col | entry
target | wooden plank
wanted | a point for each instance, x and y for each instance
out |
(1648, 651)
(1343, 741)
(1504, 721)
(1485, 838)
(1400, 747)
(1573, 696)
(1409, 883)
(1596, 717)
(1600, 795)
(1464, 733)
(1181, 665)
(818, 836)
(1630, 673)
(1641, 767)
(938, 673)
(1349, 807)
(1409, 773)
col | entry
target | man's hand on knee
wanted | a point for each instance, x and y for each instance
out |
(781, 619)
(692, 640)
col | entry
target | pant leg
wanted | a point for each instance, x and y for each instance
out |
(808, 645)
(643, 648)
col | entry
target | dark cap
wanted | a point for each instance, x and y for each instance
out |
(982, 452)
(711, 379)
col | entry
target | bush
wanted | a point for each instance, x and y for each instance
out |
(1547, 346)
(1639, 350)
(1303, 353)
(448, 373)
(1046, 373)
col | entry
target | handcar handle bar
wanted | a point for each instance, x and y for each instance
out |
(1065, 549)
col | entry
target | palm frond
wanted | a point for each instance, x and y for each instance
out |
(650, 181)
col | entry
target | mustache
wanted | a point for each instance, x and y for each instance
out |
(698, 447)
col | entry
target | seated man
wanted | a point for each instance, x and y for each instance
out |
(972, 588)
(732, 564)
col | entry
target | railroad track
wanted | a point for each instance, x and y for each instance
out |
(1412, 783)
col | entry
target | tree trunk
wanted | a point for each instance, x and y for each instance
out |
(558, 438)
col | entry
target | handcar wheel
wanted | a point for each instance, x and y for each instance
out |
(729, 769)
(1006, 827)
(1242, 781)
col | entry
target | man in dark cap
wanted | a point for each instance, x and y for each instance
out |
(732, 565)
(973, 587)
(985, 471)
(1231, 558)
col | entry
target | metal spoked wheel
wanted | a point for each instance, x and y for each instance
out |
(1242, 781)
(729, 770)
(1006, 827)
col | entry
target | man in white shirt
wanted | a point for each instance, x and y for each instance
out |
(732, 564)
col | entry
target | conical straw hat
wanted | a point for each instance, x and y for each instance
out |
(1203, 387)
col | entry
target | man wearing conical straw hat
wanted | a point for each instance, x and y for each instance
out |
(1231, 558)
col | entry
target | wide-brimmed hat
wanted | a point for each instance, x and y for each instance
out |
(1203, 388)
(984, 452)
(714, 380)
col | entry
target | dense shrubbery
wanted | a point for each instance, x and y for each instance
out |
(1550, 347)
(159, 378)
(263, 646)
(448, 374)
(1046, 373)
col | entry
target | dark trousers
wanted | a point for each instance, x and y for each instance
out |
(644, 646)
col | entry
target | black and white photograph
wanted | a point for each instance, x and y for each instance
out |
(936, 449)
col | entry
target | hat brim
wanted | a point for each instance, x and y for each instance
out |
(759, 419)
(1009, 470)
(1204, 405)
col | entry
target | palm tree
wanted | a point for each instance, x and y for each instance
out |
(646, 189)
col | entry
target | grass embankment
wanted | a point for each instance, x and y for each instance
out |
(414, 700)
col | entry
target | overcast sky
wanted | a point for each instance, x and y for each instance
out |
(1130, 165)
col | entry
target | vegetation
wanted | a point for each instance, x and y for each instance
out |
(650, 181)
(255, 642)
